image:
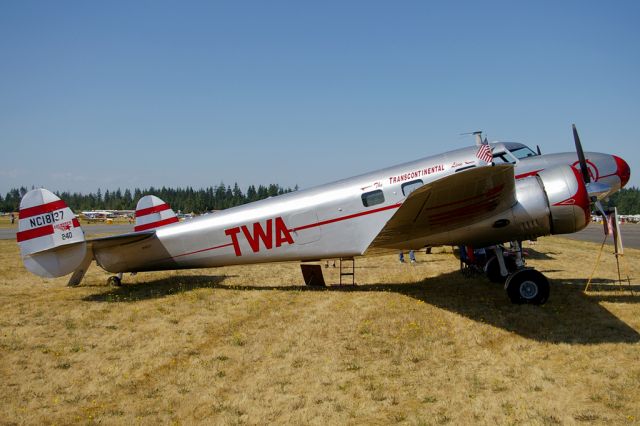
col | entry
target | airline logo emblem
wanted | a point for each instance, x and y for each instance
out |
(274, 232)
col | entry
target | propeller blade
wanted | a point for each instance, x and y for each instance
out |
(583, 162)
(604, 217)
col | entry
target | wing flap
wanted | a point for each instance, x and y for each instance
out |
(457, 200)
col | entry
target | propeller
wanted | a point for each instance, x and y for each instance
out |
(596, 190)
(583, 163)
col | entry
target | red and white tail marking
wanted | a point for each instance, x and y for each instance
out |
(152, 212)
(46, 223)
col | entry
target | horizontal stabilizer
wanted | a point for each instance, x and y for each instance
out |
(152, 213)
(120, 240)
(51, 241)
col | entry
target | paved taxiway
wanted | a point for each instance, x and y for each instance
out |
(593, 232)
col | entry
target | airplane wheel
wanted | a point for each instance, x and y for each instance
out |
(114, 281)
(492, 269)
(527, 286)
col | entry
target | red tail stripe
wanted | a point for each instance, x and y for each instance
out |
(34, 233)
(154, 209)
(156, 224)
(41, 209)
(30, 234)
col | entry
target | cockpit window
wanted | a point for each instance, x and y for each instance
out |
(523, 152)
(503, 157)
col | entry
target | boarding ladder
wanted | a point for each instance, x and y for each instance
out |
(347, 268)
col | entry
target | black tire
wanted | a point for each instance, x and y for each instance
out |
(492, 269)
(114, 281)
(527, 286)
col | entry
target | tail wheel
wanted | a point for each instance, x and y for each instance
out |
(114, 281)
(527, 286)
(492, 269)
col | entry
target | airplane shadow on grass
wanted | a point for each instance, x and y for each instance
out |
(570, 316)
(157, 288)
(531, 253)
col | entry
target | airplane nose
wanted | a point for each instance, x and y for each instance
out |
(623, 171)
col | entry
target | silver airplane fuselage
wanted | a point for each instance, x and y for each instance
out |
(340, 219)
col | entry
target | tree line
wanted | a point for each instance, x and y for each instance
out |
(627, 200)
(187, 199)
(221, 197)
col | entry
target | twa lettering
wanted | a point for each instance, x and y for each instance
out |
(258, 233)
(414, 174)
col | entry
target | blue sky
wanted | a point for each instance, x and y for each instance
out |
(125, 94)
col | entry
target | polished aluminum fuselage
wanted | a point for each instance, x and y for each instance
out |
(327, 221)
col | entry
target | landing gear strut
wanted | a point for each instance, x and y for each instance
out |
(493, 270)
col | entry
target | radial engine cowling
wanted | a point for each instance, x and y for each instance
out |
(568, 199)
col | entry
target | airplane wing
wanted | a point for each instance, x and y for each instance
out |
(454, 201)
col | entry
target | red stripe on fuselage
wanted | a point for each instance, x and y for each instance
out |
(533, 173)
(154, 209)
(200, 251)
(41, 209)
(156, 224)
(351, 216)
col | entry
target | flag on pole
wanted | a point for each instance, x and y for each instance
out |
(608, 224)
(484, 153)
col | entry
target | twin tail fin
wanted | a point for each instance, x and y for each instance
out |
(52, 243)
(152, 213)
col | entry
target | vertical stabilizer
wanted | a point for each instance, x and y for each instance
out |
(152, 212)
(51, 240)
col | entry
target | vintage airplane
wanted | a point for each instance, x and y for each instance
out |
(480, 196)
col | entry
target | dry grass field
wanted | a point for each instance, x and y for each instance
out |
(411, 344)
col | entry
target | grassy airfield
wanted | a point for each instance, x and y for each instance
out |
(411, 344)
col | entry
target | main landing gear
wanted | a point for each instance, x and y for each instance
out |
(523, 285)
(527, 286)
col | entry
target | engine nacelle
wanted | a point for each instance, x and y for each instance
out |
(553, 202)
(568, 199)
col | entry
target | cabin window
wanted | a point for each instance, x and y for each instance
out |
(409, 187)
(372, 198)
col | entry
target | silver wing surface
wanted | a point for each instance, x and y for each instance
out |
(453, 202)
